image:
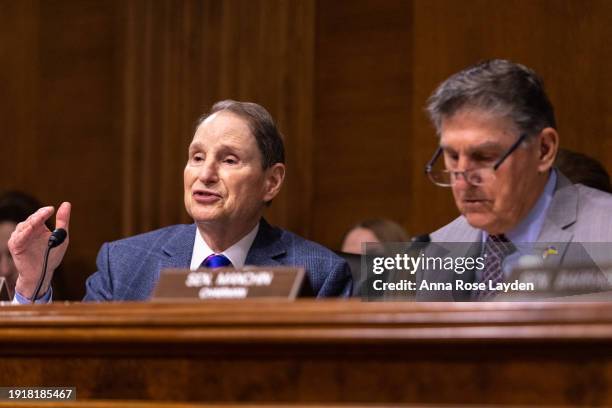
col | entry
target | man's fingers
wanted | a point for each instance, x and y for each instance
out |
(36, 220)
(40, 216)
(28, 230)
(19, 239)
(20, 226)
(62, 219)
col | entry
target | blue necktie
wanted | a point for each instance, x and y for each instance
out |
(216, 261)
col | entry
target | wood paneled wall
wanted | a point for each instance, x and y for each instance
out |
(363, 102)
(60, 116)
(99, 99)
(182, 56)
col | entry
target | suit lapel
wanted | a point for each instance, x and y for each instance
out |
(179, 249)
(465, 241)
(457, 231)
(267, 248)
(561, 215)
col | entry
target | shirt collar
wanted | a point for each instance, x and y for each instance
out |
(236, 253)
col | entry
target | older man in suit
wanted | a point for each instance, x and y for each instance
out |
(235, 168)
(498, 141)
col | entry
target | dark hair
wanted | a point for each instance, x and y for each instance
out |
(498, 86)
(580, 168)
(269, 139)
(16, 206)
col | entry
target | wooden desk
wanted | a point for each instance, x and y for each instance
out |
(314, 351)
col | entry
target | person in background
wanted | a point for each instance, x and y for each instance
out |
(582, 169)
(15, 207)
(373, 230)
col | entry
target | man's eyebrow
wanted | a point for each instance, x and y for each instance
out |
(477, 148)
(195, 146)
(224, 148)
(446, 148)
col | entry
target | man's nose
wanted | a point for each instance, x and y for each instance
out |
(458, 176)
(209, 172)
(459, 181)
(463, 163)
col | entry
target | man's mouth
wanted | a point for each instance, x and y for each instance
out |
(473, 204)
(206, 196)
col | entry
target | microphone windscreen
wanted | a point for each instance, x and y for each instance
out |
(57, 237)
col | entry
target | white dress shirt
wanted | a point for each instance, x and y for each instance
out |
(237, 253)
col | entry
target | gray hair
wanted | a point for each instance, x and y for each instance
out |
(262, 126)
(497, 86)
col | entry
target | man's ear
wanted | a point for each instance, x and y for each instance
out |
(548, 144)
(274, 180)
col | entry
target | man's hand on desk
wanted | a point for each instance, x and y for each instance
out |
(28, 244)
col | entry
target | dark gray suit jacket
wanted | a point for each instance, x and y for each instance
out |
(128, 269)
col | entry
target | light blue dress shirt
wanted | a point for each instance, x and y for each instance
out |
(528, 230)
(22, 300)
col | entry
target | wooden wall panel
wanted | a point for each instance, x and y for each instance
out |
(362, 122)
(18, 82)
(59, 139)
(99, 99)
(181, 57)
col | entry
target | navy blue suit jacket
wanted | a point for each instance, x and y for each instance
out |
(128, 269)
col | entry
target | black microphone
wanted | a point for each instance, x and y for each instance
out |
(57, 237)
(418, 243)
(421, 238)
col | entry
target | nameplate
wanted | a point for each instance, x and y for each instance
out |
(564, 281)
(4, 293)
(229, 283)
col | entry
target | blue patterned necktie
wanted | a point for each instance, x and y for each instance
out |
(216, 261)
(497, 248)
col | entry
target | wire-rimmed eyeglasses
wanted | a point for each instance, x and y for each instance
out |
(475, 177)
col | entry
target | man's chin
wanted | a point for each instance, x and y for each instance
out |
(204, 215)
(479, 220)
(486, 222)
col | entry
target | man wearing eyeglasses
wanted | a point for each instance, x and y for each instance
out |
(497, 144)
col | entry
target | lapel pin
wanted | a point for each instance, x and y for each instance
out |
(551, 250)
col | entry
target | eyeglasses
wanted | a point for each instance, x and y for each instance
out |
(475, 177)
